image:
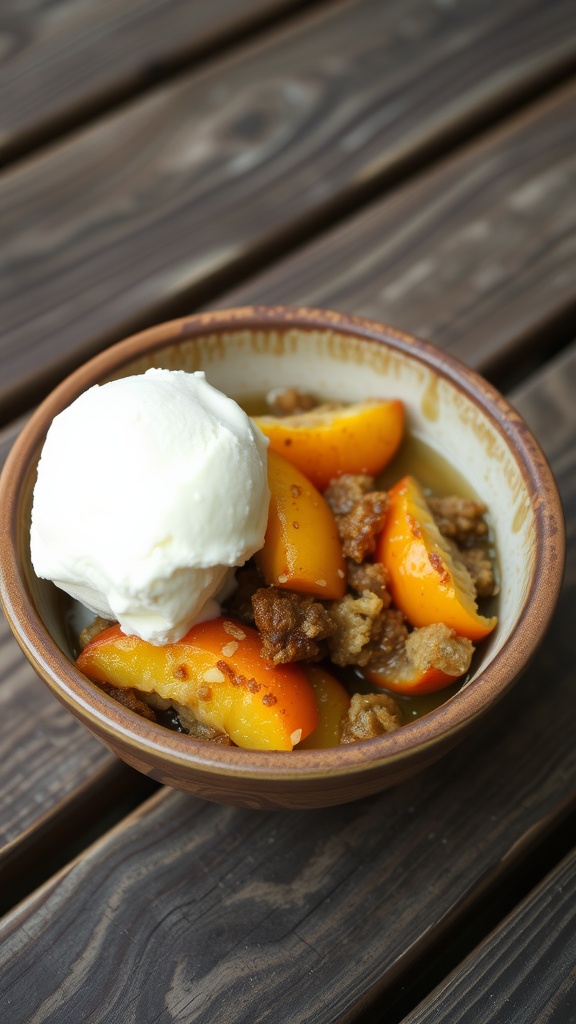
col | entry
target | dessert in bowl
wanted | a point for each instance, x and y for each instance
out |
(461, 420)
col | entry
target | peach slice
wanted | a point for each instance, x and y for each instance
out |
(427, 583)
(217, 671)
(325, 443)
(408, 679)
(333, 701)
(302, 549)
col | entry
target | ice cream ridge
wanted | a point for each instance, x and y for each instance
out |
(181, 499)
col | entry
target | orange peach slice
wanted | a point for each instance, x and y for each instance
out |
(427, 584)
(405, 678)
(302, 549)
(333, 701)
(217, 671)
(325, 443)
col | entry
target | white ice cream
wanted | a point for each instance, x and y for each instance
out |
(149, 489)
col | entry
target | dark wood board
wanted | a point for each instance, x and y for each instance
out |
(194, 912)
(153, 209)
(61, 62)
(525, 972)
(478, 256)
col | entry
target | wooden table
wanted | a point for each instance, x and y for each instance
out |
(410, 160)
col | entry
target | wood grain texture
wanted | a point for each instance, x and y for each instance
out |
(525, 972)
(141, 216)
(306, 915)
(61, 61)
(478, 256)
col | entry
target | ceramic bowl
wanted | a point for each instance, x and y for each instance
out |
(246, 352)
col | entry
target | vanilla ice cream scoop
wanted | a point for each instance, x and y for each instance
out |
(149, 490)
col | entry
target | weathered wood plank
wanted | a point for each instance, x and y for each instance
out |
(307, 915)
(152, 209)
(525, 972)
(478, 256)
(60, 62)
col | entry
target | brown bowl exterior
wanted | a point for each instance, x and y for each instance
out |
(256, 342)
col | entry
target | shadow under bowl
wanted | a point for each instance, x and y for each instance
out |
(245, 353)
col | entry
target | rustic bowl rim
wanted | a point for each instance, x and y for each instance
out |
(112, 720)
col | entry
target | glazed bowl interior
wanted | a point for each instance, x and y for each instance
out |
(457, 414)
